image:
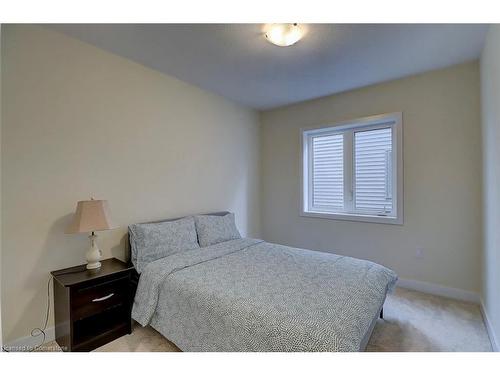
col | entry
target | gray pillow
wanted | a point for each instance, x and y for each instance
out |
(149, 242)
(215, 229)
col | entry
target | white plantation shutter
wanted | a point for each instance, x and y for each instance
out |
(328, 172)
(373, 171)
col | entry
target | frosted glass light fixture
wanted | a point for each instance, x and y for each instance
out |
(284, 34)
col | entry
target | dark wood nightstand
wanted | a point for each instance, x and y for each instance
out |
(92, 307)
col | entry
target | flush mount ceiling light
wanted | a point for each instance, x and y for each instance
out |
(284, 34)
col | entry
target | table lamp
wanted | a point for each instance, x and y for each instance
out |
(91, 216)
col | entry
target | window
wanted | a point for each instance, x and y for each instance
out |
(354, 170)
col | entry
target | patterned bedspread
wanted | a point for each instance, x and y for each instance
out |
(250, 295)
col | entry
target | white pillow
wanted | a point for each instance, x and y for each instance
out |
(153, 241)
(215, 229)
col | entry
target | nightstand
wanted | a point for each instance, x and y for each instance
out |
(92, 307)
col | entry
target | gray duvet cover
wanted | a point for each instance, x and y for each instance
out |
(250, 295)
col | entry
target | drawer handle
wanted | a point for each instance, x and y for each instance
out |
(103, 298)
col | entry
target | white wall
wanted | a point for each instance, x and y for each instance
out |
(79, 121)
(442, 177)
(490, 100)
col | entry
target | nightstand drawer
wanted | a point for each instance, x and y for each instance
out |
(94, 299)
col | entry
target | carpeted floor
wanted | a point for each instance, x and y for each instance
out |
(413, 321)
(420, 322)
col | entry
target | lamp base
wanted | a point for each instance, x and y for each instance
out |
(93, 266)
(94, 254)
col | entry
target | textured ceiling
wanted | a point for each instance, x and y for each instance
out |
(235, 60)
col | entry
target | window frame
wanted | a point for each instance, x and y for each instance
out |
(348, 128)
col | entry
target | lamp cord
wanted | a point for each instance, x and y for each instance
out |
(35, 332)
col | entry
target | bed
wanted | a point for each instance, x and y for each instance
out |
(245, 294)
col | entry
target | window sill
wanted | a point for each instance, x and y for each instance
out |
(354, 217)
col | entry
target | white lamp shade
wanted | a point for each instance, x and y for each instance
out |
(91, 216)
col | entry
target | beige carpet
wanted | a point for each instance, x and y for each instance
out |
(413, 321)
(416, 322)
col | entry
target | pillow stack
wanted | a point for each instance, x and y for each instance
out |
(153, 241)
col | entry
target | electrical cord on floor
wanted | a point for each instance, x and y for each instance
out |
(35, 332)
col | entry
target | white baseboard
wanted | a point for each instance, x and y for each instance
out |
(439, 290)
(27, 343)
(489, 328)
